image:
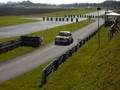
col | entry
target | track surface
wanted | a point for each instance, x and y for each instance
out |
(22, 29)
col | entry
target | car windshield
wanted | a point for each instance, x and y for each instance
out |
(64, 34)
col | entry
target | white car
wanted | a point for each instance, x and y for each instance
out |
(64, 38)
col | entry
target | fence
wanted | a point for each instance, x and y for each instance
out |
(8, 46)
(113, 28)
(53, 66)
(23, 41)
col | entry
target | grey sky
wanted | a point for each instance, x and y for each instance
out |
(57, 1)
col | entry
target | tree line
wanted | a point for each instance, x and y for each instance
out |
(27, 7)
(29, 4)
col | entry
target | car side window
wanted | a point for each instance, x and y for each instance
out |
(69, 34)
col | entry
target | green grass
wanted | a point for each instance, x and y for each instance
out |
(67, 12)
(88, 69)
(15, 53)
(48, 36)
(13, 20)
(7, 39)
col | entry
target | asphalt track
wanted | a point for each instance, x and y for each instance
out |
(22, 29)
(28, 62)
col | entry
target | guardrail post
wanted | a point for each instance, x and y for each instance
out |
(87, 38)
(76, 48)
(64, 57)
(79, 43)
(70, 52)
(83, 41)
(43, 78)
(56, 65)
(60, 60)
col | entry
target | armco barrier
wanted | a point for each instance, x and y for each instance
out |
(79, 43)
(70, 52)
(65, 56)
(49, 69)
(55, 64)
(60, 60)
(23, 41)
(7, 46)
(112, 30)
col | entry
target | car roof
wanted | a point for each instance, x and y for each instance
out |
(65, 32)
(62, 37)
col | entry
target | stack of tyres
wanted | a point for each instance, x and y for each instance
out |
(32, 41)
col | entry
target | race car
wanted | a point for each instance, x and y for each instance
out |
(64, 38)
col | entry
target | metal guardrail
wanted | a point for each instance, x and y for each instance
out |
(23, 41)
(113, 28)
(8, 46)
(53, 66)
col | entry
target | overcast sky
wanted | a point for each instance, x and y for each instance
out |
(57, 1)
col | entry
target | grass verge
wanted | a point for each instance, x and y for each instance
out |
(88, 69)
(7, 39)
(13, 20)
(48, 35)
